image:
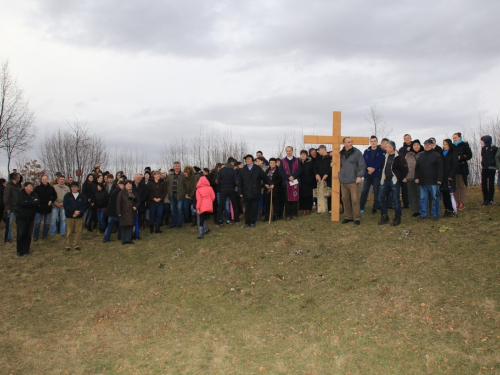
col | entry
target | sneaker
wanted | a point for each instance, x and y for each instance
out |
(77, 248)
(228, 222)
(361, 211)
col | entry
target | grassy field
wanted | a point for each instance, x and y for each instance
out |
(301, 297)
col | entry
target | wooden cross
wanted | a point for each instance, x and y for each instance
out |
(336, 141)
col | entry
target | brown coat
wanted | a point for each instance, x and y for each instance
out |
(125, 208)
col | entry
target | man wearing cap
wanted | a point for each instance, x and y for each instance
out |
(27, 203)
(75, 205)
(352, 170)
(428, 174)
(393, 170)
(249, 186)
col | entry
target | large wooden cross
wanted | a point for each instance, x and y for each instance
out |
(336, 141)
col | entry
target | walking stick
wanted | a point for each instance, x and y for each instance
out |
(271, 208)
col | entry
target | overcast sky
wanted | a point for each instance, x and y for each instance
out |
(143, 73)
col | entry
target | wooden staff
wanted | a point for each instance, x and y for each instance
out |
(271, 208)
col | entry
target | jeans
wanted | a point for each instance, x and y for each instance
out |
(58, 212)
(46, 223)
(225, 197)
(430, 192)
(109, 228)
(101, 219)
(367, 183)
(11, 219)
(176, 209)
(386, 189)
(186, 207)
(155, 214)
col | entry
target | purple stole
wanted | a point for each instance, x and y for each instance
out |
(292, 191)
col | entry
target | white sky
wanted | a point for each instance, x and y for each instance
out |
(143, 73)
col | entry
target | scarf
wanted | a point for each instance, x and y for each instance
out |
(457, 143)
(445, 152)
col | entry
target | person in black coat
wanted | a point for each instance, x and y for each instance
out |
(75, 204)
(27, 203)
(47, 195)
(450, 168)
(141, 191)
(273, 173)
(489, 168)
(87, 191)
(113, 217)
(249, 185)
(2, 189)
(226, 180)
(464, 154)
(323, 169)
(307, 183)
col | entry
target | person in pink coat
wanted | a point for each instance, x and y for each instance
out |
(205, 197)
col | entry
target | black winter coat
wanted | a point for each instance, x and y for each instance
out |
(227, 178)
(429, 168)
(322, 166)
(307, 178)
(100, 198)
(27, 205)
(141, 191)
(450, 169)
(250, 182)
(488, 157)
(47, 194)
(112, 203)
(71, 204)
(464, 154)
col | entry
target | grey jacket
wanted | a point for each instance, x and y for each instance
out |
(10, 196)
(352, 166)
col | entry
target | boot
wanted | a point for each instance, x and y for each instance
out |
(200, 233)
(157, 229)
(151, 229)
(206, 229)
(194, 220)
(396, 221)
(383, 220)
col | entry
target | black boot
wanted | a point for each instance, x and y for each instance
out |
(383, 220)
(157, 229)
(396, 221)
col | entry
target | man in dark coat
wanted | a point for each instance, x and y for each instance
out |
(75, 204)
(249, 186)
(374, 157)
(10, 196)
(126, 209)
(176, 191)
(47, 195)
(227, 180)
(27, 203)
(429, 174)
(157, 189)
(113, 217)
(392, 171)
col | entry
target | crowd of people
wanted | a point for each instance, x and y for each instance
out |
(257, 189)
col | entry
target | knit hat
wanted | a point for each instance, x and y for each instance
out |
(487, 139)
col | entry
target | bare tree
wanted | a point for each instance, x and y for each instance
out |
(72, 150)
(17, 129)
(379, 126)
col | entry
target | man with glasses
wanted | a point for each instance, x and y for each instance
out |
(352, 170)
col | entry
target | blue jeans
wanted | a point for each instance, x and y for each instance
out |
(155, 214)
(386, 189)
(430, 192)
(109, 228)
(11, 219)
(58, 212)
(101, 218)
(367, 183)
(176, 210)
(46, 223)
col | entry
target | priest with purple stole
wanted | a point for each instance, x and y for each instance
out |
(290, 171)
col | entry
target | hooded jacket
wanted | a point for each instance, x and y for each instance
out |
(205, 196)
(488, 153)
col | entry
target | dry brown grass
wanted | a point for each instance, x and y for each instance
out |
(301, 297)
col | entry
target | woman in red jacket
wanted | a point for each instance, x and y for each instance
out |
(205, 197)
